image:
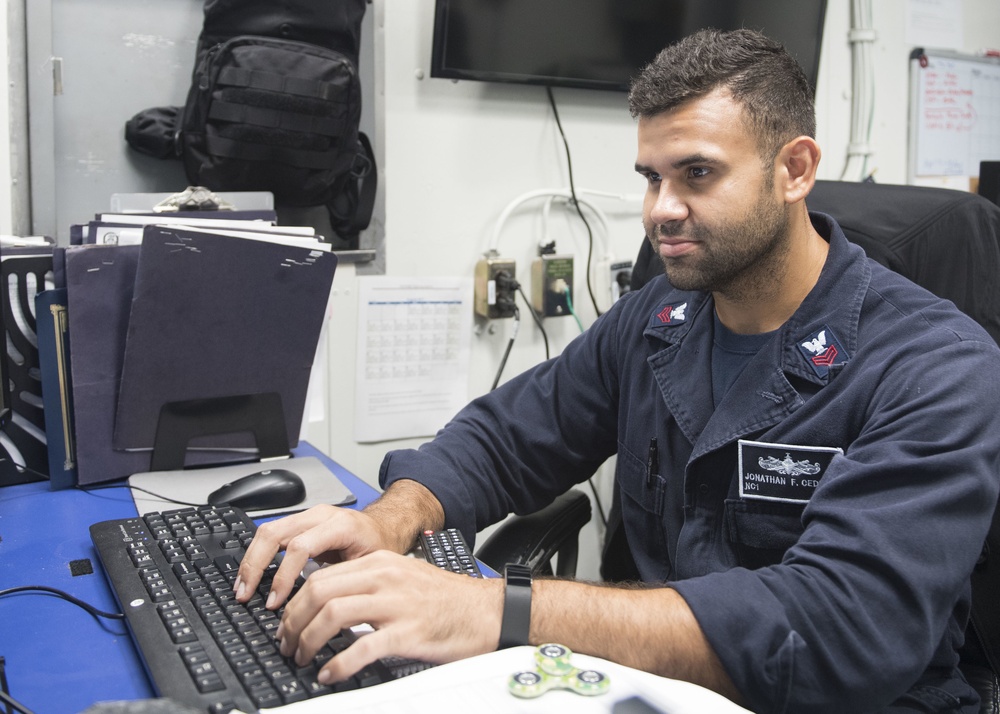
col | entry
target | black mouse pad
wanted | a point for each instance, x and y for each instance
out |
(194, 485)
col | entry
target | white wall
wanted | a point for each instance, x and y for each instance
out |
(6, 219)
(453, 155)
(980, 30)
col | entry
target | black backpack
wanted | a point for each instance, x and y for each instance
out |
(274, 105)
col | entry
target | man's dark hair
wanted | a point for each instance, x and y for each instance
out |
(761, 76)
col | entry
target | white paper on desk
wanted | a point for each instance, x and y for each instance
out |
(479, 684)
(131, 230)
(301, 236)
(414, 338)
(165, 219)
(113, 235)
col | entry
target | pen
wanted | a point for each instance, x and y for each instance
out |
(652, 462)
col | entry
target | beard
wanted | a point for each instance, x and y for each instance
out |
(737, 258)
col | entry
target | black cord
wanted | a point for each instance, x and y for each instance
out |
(597, 502)
(510, 343)
(590, 254)
(538, 320)
(88, 489)
(576, 203)
(65, 596)
(165, 498)
(22, 467)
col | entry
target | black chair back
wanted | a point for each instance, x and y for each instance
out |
(948, 242)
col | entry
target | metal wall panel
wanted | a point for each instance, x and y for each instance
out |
(92, 64)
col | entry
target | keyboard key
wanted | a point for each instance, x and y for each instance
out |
(195, 563)
(209, 683)
(291, 690)
(226, 564)
(183, 634)
(264, 695)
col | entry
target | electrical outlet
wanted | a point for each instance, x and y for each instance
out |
(551, 279)
(620, 278)
(494, 287)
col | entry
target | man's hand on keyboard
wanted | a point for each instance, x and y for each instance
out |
(417, 610)
(323, 533)
(329, 534)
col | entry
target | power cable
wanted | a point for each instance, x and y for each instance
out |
(537, 319)
(88, 489)
(576, 203)
(597, 502)
(65, 596)
(590, 255)
(569, 304)
(506, 353)
(862, 37)
(590, 480)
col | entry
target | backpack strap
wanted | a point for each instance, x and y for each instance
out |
(278, 119)
(258, 79)
(369, 179)
(248, 151)
(351, 210)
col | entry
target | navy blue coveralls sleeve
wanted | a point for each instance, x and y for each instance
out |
(821, 522)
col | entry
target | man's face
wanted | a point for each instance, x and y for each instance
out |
(710, 208)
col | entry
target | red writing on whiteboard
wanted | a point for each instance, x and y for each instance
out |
(947, 104)
(950, 118)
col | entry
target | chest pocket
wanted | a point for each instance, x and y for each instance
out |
(761, 531)
(642, 516)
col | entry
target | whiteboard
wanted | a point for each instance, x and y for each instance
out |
(954, 113)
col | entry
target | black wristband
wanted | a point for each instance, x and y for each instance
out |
(516, 620)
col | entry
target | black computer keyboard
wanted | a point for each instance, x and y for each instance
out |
(172, 574)
(448, 550)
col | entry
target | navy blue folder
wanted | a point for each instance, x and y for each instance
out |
(214, 315)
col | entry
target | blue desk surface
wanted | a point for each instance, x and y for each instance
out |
(58, 657)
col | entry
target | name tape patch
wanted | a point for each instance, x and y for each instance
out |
(782, 472)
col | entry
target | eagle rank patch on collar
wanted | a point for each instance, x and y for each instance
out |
(782, 472)
(672, 314)
(823, 350)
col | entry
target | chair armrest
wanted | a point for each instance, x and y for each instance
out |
(533, 540)
(984, 681)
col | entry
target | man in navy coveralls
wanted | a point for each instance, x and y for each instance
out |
(808, 445)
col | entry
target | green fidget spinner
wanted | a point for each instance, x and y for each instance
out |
(554, 670)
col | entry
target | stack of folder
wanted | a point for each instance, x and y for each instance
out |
(152, 310)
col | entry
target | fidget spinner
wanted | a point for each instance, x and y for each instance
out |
(554, 670)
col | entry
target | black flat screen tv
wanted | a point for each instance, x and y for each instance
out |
(600, 44)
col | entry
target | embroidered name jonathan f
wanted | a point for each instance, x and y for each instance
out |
(782, 472)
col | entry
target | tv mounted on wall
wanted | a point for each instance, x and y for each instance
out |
(600, 44)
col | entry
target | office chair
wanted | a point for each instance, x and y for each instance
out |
(944, 240)
(949, 243)
(535, 539)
